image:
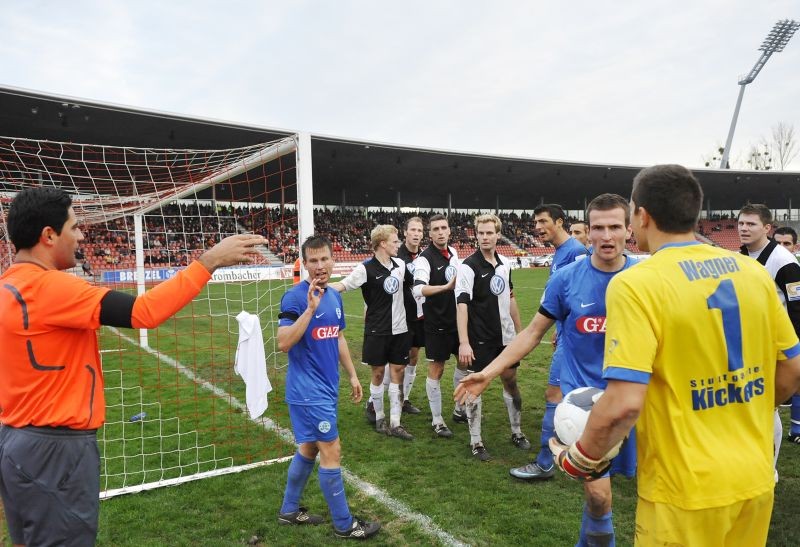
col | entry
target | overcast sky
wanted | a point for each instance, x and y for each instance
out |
(626, 82)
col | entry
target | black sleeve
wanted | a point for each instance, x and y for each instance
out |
(288, 315)
(547, 313)
(788, 281)
(116, 308)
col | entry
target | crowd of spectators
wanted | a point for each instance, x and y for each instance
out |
(175, 234)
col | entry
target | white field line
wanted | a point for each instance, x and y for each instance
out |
(396, 506)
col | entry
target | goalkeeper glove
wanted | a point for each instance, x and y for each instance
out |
(576, 463)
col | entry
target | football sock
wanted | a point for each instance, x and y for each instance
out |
(596, 525)
(376, 394)
(795, 414)
(299, 471)
(434, 400)
(387, 376)
(514, 412)
(332, 486)
(395, 406)
(545, 457)
(474, 418)
(458, 374)
(408, 380)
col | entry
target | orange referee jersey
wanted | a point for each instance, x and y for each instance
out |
(50, 371)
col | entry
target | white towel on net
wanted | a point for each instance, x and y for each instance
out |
(251, 363)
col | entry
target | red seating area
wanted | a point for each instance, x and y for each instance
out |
(722, 232)
(177, 234)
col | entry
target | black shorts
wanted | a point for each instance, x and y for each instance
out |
(380, 349)
(417, 330)
(50, 484)
(440, 346)
(484, 354)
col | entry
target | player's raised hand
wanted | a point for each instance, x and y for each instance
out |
(236, 249)
(471, 387)
(315, 293)
(356, 393)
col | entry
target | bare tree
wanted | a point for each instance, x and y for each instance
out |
(759, 155)
(784, 145)
(713, 159)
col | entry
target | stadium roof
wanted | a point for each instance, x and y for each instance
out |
(365, 173)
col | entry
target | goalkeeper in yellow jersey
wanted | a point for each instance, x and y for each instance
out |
(698, 353)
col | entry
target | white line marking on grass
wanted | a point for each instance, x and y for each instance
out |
(402, 510)
(396, 506)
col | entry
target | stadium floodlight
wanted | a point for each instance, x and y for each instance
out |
(775, 41)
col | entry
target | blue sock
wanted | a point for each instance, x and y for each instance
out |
(332, 485)
(545, 457)
(591, 524)
(795, 415)
(299, 471)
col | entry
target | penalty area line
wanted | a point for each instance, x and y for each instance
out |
(396, 506)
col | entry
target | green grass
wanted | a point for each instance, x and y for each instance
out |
(478, 503)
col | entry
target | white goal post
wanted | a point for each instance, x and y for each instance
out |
(175, 408)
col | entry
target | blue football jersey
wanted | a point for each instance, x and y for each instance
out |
(313, 374)
(576, 297)
(566, 254)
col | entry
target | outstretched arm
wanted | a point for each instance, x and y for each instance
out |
(525, 342)
(152, 308)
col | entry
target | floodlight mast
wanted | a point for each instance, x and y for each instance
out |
(775, 41)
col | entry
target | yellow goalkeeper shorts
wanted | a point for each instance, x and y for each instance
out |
(744, 523)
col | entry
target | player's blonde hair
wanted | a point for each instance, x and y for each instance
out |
(483, 219)
(380, 233)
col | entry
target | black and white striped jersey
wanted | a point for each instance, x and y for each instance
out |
(784, 269)
(486, 290)
(413, 304)
(432, 267)
(382, 289)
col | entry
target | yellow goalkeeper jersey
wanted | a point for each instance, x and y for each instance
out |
(703, 328)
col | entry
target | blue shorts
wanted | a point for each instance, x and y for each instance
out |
(314, 423)
(555, 372)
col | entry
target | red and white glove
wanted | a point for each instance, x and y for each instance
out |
(576, 463)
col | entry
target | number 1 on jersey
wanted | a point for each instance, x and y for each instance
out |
(724, 299)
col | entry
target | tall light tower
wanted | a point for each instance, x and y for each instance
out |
(775, 41)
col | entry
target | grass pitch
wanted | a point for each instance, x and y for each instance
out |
(477, 503)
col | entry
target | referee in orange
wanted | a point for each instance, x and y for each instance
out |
(51, 392)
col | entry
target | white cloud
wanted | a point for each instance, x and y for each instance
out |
(628, 82)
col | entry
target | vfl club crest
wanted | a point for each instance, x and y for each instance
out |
(497, 285)
(391, 285)
(410, 268)
(324, 426)
(338, 313)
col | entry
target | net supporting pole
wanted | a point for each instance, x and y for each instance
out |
(305, 192)
(139, 237)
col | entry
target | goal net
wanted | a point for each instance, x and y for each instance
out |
(176, 409)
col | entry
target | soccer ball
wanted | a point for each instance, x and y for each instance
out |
(572, 413)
